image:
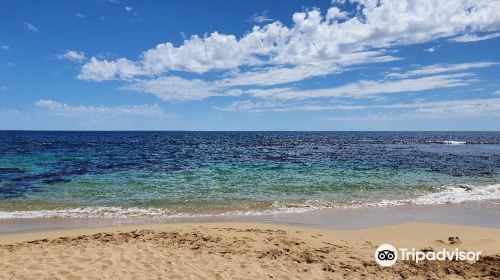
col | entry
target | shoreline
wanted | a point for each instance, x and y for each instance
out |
(243, 251)
(317, 244)
(483, 214)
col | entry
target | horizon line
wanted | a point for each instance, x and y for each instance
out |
(180, 130)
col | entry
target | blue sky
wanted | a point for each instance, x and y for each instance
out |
(250, 65)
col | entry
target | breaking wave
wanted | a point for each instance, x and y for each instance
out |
(444, 195)
(452, 142)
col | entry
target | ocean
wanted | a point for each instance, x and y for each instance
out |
(184, 174)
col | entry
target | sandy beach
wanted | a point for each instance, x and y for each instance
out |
(242, 251)
(341, 139)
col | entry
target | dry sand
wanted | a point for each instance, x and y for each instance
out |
(241, 251)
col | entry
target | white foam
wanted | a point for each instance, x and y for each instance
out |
(453, 142)
(460, 193)
(449, 194)
(131, 212)
(444, 195)
(87, 212)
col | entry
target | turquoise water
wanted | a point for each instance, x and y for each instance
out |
(193, 173)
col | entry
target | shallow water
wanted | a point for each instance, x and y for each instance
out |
(172, 174)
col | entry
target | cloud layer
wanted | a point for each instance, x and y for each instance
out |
(475, 37)
(63, 109)
(266, 64)
(488, 107)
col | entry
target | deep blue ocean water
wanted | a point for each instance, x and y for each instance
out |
(108, 174)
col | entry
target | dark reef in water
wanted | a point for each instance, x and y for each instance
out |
(33, 161)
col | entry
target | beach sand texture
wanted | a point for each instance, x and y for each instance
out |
(241, 251)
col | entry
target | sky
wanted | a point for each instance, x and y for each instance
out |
(250, 65)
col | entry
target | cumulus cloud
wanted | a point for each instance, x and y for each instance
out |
(5, 47)
(315, 44)
(30, 27)
(63, 109)
(314, 37)
(80, 15)
(260, 18)
(475, 37)
(101, 70)
(71, 55)
(335, 13)
(128, 9)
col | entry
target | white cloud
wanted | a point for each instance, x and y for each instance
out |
(460, 108)
(274, 105)
(128, 9)
(497, 91)
(399, 111)
(316, 38)
(442, 68)
(71, 55)
(335, 14)
(369, 89)
(63, 109)
(30, 27)
(276, 75)
(475, 37)
(3, 88)
(314, 45)
(260, 18)
(431, 49)
(175, 88)
(5, 47)
(80, 15)
(101, 70)
(453, 109)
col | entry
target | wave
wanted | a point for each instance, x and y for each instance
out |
(451, 142)
(449, 195)
(87, 212)
(444, 195)
(135, 212)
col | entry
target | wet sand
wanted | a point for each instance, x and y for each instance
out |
(318, 244)
(483, 214)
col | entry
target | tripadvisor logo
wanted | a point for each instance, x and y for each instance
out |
(387, 255)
